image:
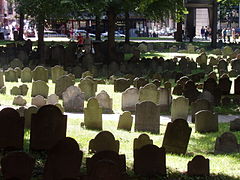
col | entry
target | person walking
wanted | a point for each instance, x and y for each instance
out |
(202, 32)
(229, 34)
(224, 34)
(206, 33)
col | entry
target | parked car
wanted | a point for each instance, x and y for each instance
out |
(83, 33)
(117, 34)
(53, 34)
(237, 32)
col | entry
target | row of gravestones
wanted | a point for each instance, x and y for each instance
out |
(64, 160)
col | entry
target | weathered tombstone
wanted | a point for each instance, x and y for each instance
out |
(149, 93)
(150, 160)
(1, 79)
(52, 99)
(199, 166)
(235, 125)
(26, 75)
(64, 160)
(105, 102)
(125, 121)
(227, 51)
(16, 63)
(62, 84)
(18, 71)
(88, 86)
(73, 99)
(40, 88)
(24, 89)
(38, 101)
(202, 59)
(222, 66)
(87, 73)
(48, 126)
(19, 101)
(139, 82)
(40, 73)
(104, 141)
(198, 105)
(164, 99)
(206, 121)
(129, 99)
(11, 75)
(177, 136)
(11, 129)
(142, 140)
(178, 90)
(227, 143)
(28, 116)
(147, 117)
(179, 109)
(121, 84)
(15, 91)
(17, 165)
(93, 115)
(57, 72)
(225, 85)
(190, 91)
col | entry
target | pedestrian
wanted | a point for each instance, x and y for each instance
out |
(206, 33)
(229, 34)
(224, 34)
(202, 32)
(234, 35)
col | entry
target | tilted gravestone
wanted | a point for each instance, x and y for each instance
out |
(64, 160)
(199, 166)
(93, 115)
(57, 72)
(88, 86)
(17, 165)
(147, 117)
(149, 93)
(198, 105)
(129, 99)
(235, 125)
(48, 126)
(26, 75)
(179, 108)
(121, 84)
(40, 73)
(52, 99)
(177, 136)
(62, 84)
(11, 75)
(11, 129)
(206, 121)
(227, 143)
(38, 101)
(40, 88)
(28, 115)
(104, 141)
(105, 102)
(125, 121)
(73, 99)
(150, 160)
(142, 140)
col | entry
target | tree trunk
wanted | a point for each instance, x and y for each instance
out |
(127, 27)
(98, 28)
(111, 34)
(214, 25)
(40, 28)
(21, 23)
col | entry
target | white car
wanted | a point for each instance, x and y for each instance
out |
(53, 34)
(117, 34)
(83, 33)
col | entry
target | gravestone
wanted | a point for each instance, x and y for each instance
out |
(88, 86)
(52, 99)
(139, 82)
(62, 84)
(11, 129)
(190, 91)
(19, 101)
(202, 59)
(121, 84)
(227, 51)
(48, 126)
(105, 102)
(125, 121)
(40, 73)
(150, 160)
(40, 88)
(178, 90)
(64, 160)
(26, 75)
(24, 89)
(11, 75)
(38, 101)
(179, 108)
(104, 141)
(17, 165)
(142, 140)
(222, 66)
(164, 99)
(149, 93)
(87, 73)
(177, 136)
(235, 125)
(93, 115)
(225, 85)
(213, 75)
(237, 86)
(227, 143)
(129, 99)
(206, 121)
(198, 105)
(147, 117)
(15, 91)
(16, 63)
(73, 99)
(199, 166)
(1, 79)
(57, 72)
(28, 116)
(18, 71)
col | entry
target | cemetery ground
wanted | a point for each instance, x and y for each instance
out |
(221, 166)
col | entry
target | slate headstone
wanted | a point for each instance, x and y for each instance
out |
(40, 88)
(129, 99)
(206, 121)
(198, 166)
(179, 108)
(125, 121)
(40, 73)
(235, 125)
